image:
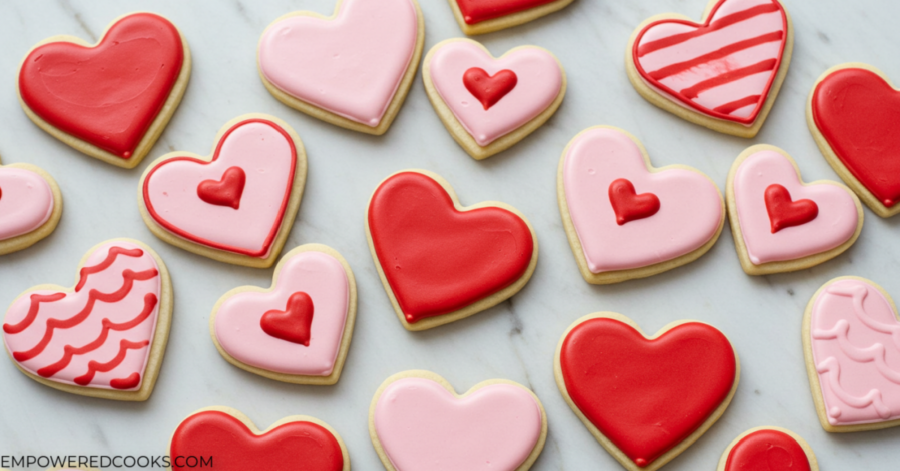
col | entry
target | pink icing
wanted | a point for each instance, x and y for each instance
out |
(145, 289)
(350, 65)
(422, 426)
(690, 204)
(539, 82)
(856, 349)
(266, 155)
(835, 224)
(319, 275)
(26, 202)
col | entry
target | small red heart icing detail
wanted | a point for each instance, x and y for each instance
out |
(476, 11)
(234, 447)
(786, 213)
(224, 192)
(294, 324)
(628, 205)
(767, 450)
(489, 89)
(646, 395)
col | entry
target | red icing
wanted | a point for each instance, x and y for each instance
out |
(858, 113)
(225, 192)
(110, 94)
(476, 11)
(767, 450)
(646, 396)
(233, 447)
(437, 259)
(130, 382)
(111, 256)
(95, 367)
(489, 89)
(278, 220)
(294, 324)
(786, 213)
(628, 205)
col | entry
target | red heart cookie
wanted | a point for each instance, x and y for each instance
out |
(645, 399)
(485, 16)
(111, 100)
(441, 262)
(231, 442)
(853, 112)
(768, 449)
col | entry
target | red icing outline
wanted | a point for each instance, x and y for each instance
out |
(476, 11)
(769, 450)
(279, 220)
(684, 100)
(646, 395)
(234, 447)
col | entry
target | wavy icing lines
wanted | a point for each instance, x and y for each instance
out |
(832, 368)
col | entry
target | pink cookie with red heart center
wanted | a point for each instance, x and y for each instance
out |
(30, 206)
(626, 219)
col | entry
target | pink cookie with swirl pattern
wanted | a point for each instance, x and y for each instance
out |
(103, 338)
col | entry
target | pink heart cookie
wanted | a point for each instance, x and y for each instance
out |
(764, 244)
(352, 69)
(106, 336)
(417, 421)
(313, 270)
(533, 89)
(247, 227)
(851, 336)
(30, 206)
(688, 221)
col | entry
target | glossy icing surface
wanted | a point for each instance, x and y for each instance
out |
(267, 156)
(110, 94)
(835, 222)
(723, 68)
(26, 202)
(538, 80)
(97, 335)
(438, 259)
(423, 426)
(476, 11)
(350, 65)
(856, 350)
(323, 279)
(690, 207)
(767, 450)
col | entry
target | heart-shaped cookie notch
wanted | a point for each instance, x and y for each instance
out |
(481, 17)
(626, 219)
(237, 205)
(117, 98)
(645, 399)
(722, 73)
(781, 224)
(768, 448)
(30, 206)
(297, 331)
(489, 104)
(231, 442)
(105, 337)
(439, 261)
(352, 69)
(850, 339)
(416, 418)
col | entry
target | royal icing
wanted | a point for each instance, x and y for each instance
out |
(476, 11)
(493, 97)
(98, 335)
(316, 286)
(689, 211)
(769, 450)
(178, 197)
(26, 202)
(234, 447)
(834, 222)
(857, 112)
(107, 95)
(725, 67)
(350, 65)
(646, 396)
(421, 425)
(855, 339)
(436, 258)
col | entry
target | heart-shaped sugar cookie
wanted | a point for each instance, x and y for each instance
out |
(30, 206)
(485, 16)
(768, 449)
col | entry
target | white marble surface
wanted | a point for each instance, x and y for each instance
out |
(514, 340)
